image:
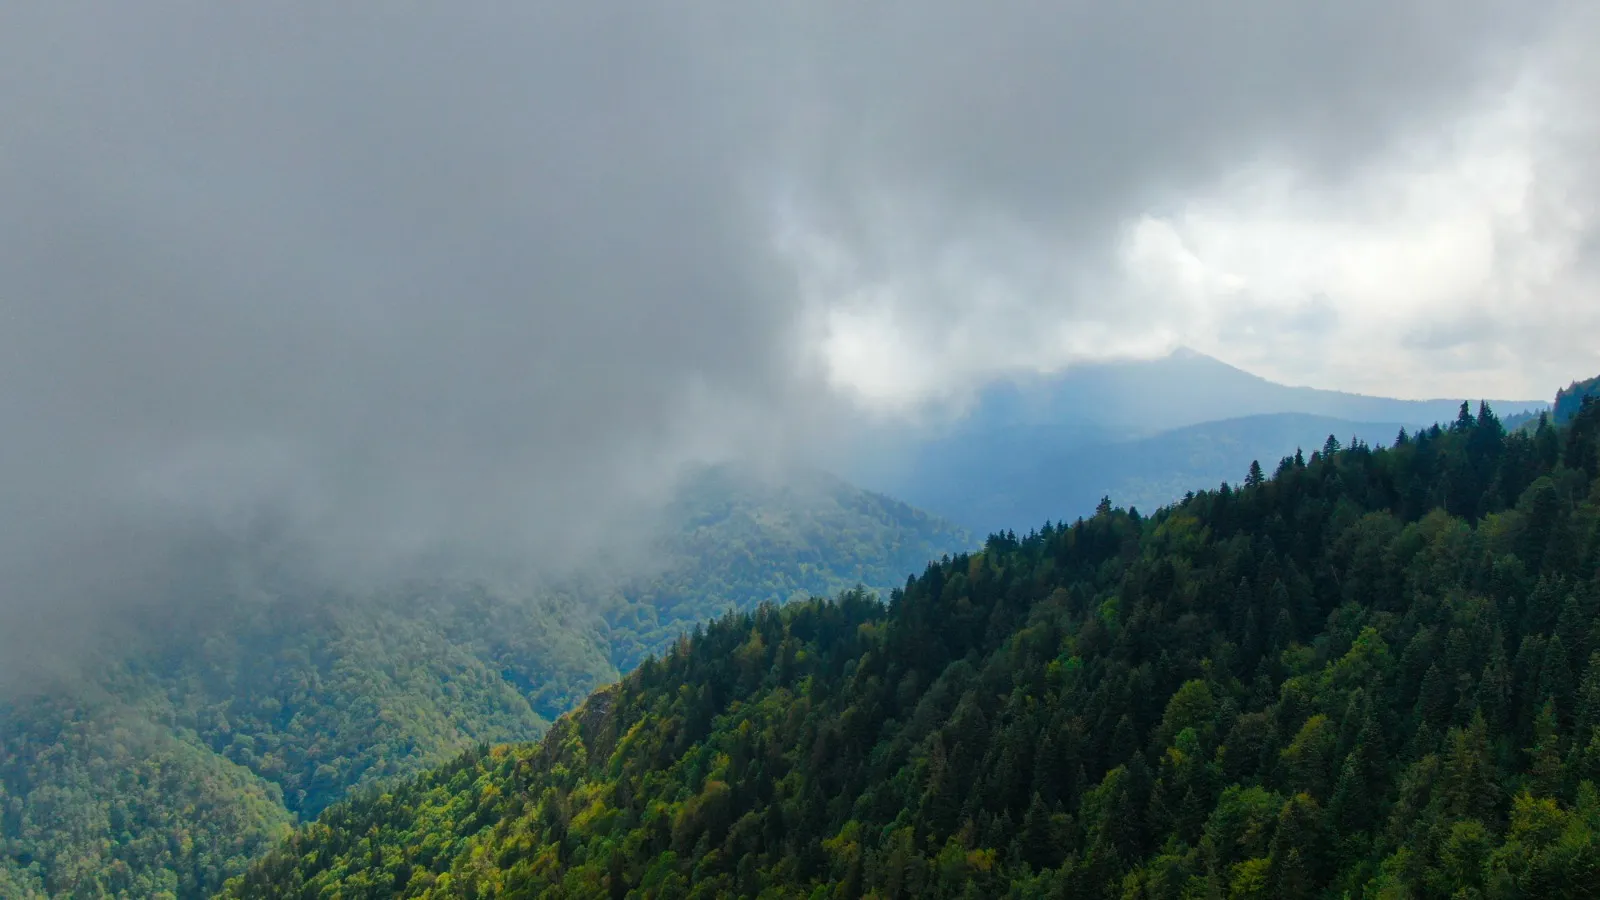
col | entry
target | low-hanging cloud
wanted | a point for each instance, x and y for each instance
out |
(1021, 185)
(387, 277)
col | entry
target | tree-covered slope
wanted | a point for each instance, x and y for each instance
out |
(739, 539)
(209, 747)
(102, 800)
(1570, 399)
(1374, 674)
(164, 768)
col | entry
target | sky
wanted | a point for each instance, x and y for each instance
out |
(1390, 199)
(382, 277)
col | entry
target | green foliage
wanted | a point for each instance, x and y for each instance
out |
(172, 818)
(170, 767)
(171, 770)
(739, 540)
(1354, 679)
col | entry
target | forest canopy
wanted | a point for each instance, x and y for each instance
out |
(1371, 673)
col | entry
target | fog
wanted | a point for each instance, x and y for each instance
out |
(339, 287)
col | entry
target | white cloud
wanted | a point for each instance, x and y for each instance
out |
(910, 318)
(1448, 267)
(1458, 261)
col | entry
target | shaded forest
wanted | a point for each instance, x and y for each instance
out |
(1569, 400)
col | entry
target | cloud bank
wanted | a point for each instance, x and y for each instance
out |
(387, 278)
(1388, 198)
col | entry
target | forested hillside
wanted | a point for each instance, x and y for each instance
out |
(163, 769)
(739, 539)
(1570, 399)
(167, 770)
(1375, 673)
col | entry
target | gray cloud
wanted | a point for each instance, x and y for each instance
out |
(975, 170)
(1065, 114)
(390, 275)
(398, 274)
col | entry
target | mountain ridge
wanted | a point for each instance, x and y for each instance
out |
(1187, 387)
(1022, 428)
(1373, 672)
(167, 766)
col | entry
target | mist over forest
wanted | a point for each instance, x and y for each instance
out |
(380, 384)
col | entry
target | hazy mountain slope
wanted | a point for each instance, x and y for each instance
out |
(236, 726)
(1145, 473)
(742, 539)
(1135, 397)
(1022, 438)
(1570, 399)
(168, 768)
(1375, 674)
